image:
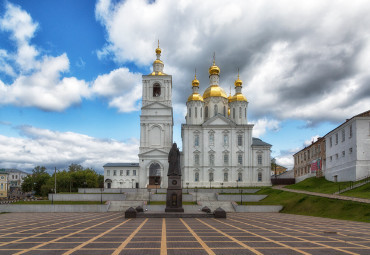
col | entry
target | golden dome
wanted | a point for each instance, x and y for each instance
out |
(158, 61)
(195, 97)
(228, 112)
(238, 97)
(214, 69)
(214, 91)
(238, 82)
(195, 82)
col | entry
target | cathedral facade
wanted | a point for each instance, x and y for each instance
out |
(218, 149)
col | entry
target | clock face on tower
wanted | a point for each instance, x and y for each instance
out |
(174, 182)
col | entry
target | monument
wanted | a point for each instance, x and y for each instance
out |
(174, 190)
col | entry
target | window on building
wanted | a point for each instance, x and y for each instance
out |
(108, 172)
(305, 156)
(330, 141)
(114, 172)
(211, 139)
(240, 159)
(189, 112)
(226, 140)
(156, 90)
(201, 112)
(331, 158)
(350, 150)
(343, 135)
(240, 177)
(196, 177)
(350, 131)
(134, 172)
(240, 112)
(211, 177)
(226, 159)
(240, 140)
(245, 112)
(343, 153)
(319, 148)
(336, 156)
(2, 186)
(308, 154)
(196, 112)
(259, 159)
(211, 159)
(196, 140)
(121, 172)
(206, 112)
(196, 159)
(224, 111)
(233, 113)
(127, 172)
(336, 138)
(226, 177)
(215, 109)
(260, 177)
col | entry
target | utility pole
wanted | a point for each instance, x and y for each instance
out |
(55, 180)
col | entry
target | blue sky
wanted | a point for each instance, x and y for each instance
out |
(70, 71)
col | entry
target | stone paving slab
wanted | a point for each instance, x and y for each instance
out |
(240, 233)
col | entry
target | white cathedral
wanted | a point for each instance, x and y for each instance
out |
(218, 149)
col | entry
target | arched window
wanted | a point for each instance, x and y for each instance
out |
(156, 90)
(216, 109)
(189, 112)
(240, 177)
(206, 112)
(245, 112)
(211, 177)
(233, 113)
(201, 112)
(224, 111)
(196, 177)
(259, 176)
(155, 170)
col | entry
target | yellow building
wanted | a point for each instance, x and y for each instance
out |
(3, 184)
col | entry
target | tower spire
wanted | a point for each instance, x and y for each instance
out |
(214, 58)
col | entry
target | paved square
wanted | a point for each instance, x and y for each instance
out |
(240, 233)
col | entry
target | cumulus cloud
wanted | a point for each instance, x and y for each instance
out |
(49, 148)
(121, 87)
(263, 125)
(296, 58)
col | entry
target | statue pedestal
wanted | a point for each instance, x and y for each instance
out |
(174, 195)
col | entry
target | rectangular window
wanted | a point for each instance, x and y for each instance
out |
(350, 150)
(127, 172)
(108, 172)
(331, 141)
(319, 148)
(211, 177)
(196, 159)
(226, 177)
(336, 138)
(196, 178)
(196, 140)
(211, 139)
(226, 159)
(336, 156)
(114, 172)
(211, 159)
(134, 172)
(240, 112)
(240, 140)
(308, 154)
(343, 135)
(343, 153)
(226, 140)
(240, 159)
(331, 158)
(121, 172)
(189, 112)
(240, 177)
(259, 159)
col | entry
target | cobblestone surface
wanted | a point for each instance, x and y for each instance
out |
(240, 233)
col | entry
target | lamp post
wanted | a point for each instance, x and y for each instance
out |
(52, 197)
(101, 195)
(55, 180)
(149, 190)
(196, 194)
(210, 186)
(222, 187)
(187, 187)
(241, 196)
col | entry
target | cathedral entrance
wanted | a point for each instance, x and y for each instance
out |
(155, 174)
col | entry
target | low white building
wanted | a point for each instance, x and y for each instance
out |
(15, 177)
(121, 175)
(348, 150)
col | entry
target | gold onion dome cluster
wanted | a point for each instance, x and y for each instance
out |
(195, 96)
(238, 96)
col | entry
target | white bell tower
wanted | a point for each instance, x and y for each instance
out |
(156, 126)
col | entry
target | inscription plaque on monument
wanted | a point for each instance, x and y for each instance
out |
(174, 190)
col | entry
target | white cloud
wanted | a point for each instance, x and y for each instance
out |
(311, 140)
(121, 87)
(263, 125)
(51, 148)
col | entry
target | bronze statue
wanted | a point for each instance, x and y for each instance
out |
(174, 161)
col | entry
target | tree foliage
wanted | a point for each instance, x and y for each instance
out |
(66, 180)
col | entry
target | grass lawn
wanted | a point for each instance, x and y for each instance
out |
(164, 203)
(302, 204)
(48, 202)
(319, 185)
(362, 192)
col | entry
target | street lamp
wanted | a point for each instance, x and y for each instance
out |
(241, 196)
(187, 187)
(149, 190)
(196, 194)
(222, 186)
(210, 181)
(101, 195)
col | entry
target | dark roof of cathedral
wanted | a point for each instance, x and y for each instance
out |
(259, 142)
(121, 164)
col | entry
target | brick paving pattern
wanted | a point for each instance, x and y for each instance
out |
(240, 233)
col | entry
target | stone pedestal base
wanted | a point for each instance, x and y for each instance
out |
(174, 209)
(174, 195)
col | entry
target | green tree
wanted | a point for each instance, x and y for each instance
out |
(36, 180)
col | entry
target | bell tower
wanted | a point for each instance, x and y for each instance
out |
(156, 126)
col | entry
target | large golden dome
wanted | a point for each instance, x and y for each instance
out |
(214, 69)
(195, 97)
(238, 97)
(214, 91)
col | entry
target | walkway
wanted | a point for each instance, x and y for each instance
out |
(355, 199)
(240, 233)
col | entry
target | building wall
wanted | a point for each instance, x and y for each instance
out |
(348, 153)
(3, 185)
(120, 178)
